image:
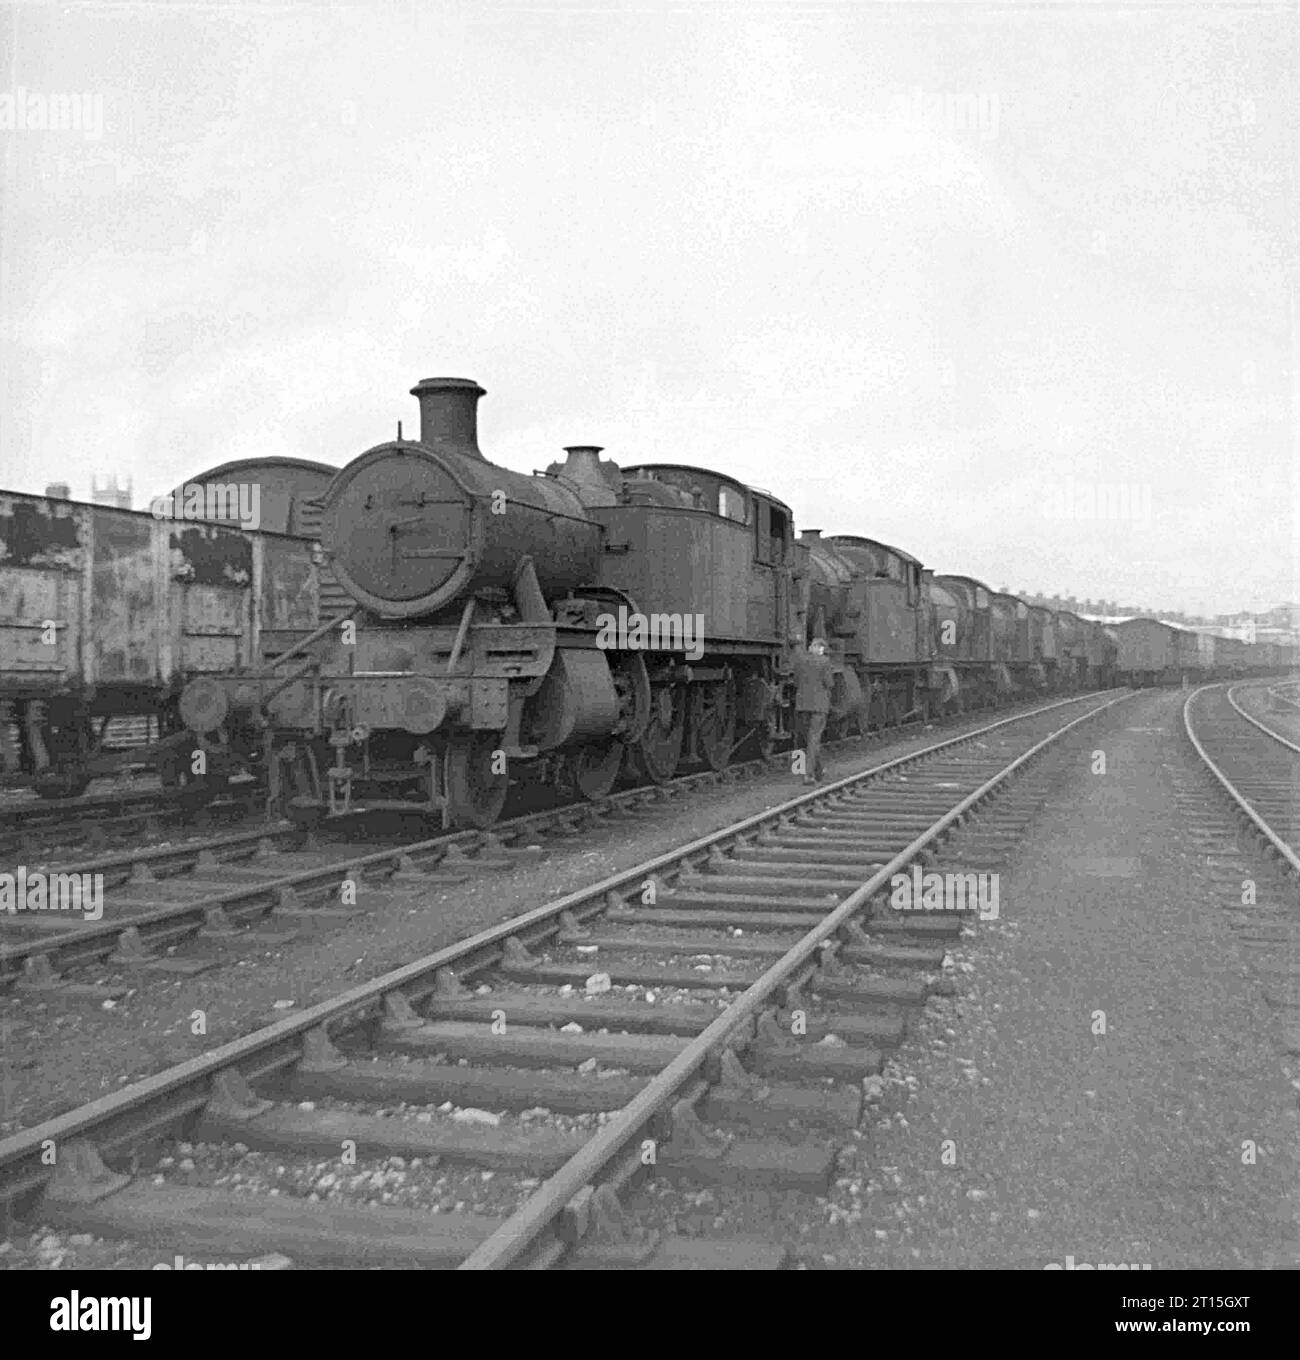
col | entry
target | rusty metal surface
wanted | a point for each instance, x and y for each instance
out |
(137, 600)
(672, 560)
(410, 533)
(290, 586)
(210, 555)
(36, 532)
(122, 627)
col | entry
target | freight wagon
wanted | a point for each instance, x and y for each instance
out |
(1152, 653)
(107, 613)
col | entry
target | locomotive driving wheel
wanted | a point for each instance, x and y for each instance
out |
(596, 767)
(660, 747)
(475, 794)
(713, 722)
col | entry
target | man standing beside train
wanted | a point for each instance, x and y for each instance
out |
(814, 682)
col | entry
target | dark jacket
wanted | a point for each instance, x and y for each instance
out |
(814, 680)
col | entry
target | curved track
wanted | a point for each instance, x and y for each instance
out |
(736, 978)
(1255, 766)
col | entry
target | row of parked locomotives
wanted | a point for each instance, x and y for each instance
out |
(421, 627)
(106, 613)
(567, 625)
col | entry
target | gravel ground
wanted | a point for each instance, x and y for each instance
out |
(1125, 1146)
(1122, 1147)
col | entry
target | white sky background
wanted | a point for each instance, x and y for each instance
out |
(696, 233)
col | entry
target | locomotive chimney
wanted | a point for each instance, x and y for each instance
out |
(449, 415)
(810, 535)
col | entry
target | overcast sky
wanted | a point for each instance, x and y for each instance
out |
(936, 275)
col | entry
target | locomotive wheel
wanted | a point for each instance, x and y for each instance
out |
(660, 747)
(713, 721)
(475, 796)
(596, 768)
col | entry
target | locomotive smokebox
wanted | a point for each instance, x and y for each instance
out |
(449, 415)
(414, 529)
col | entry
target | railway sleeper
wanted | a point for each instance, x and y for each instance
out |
(321, 1133)
(195, 1219)
(492, 1088)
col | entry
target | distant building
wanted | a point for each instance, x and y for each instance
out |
(110, 493)
(1244, 630)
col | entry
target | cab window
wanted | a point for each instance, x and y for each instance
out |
(772, 533)
(731, 504)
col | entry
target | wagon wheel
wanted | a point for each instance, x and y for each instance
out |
(70, 782)
(173, 770)
(475, 795)
(290, 792)
(69, 741)
(192, 792)
(713, 722)
(596, 767)
(660, 747)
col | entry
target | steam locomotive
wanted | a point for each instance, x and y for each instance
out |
(587, 618)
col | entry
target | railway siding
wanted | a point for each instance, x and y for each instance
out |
(922, 797)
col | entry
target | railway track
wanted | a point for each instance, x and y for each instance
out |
(33, 828)
(39, 829)
(707, 1016)
(262, 885)
(1245, 781)
(1252, 763)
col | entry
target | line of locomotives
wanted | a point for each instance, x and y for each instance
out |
(422, 627)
